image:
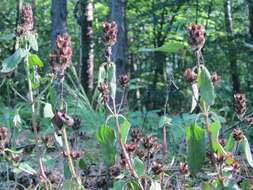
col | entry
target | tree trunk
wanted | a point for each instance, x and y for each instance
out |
(59, 19)
(234, 70)
(18, 9)
(119, 50)
(250, 8)
(86, 43)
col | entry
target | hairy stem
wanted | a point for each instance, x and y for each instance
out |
(70, 161)
(210, 142)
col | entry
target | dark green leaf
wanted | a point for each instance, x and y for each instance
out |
(230, 144)
(35, 60)
(67, 173)
(206, 88)
(118, 185)
(196, 148)
(107, 141)
(138, 166)
(11, 63)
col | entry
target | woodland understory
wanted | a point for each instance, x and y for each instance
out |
(126, 95)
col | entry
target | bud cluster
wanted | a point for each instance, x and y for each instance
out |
(215, 78)
(190, 75)
(183, 168)
(240, 104)
(74, 154)
(196, 38)
(157, 167)
(60, 58)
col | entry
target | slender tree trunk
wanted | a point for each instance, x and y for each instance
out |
(119, 50)
(59, 19)
(86, 42)
(234, 70)
(18, 9)
(34, 12)
(250, 8)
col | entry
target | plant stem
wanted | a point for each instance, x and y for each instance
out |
(70, 161)
(210, 141)
(125, 153)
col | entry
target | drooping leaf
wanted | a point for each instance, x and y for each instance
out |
(71, 185)
(196, 146)
(214, 129)
(35, 60)
(32, 40)
(48, 112)
(155, 185)
(11, 62)
(107, 140)
(138, 166)
(247, 151)
(124, 130)
(195, 96)
(206, 88)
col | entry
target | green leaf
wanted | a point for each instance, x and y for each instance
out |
(138, 166)
(214, 129)
(32, 40)
(206, 88)
(133, 184)
(230, 144)
(71, 185)
(196, 145)
(35, 60)
(164, 121)
(48, 112)
(112, 79)
(155, 186)
(118, 185)
(66, 170)
(11, 62)
(247, 151)
(124, 130)
(195, 96)
(207, 186)
(107, 140)
(26, 168)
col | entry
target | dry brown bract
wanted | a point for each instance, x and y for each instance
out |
(196, 38)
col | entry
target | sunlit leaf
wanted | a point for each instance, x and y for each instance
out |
(195, 96)
(138, 166)
(71, 185)
(48, 111)
(206, 88)
(124, 130)
(247, 151)
(155, 185)
(35, 60)
(196, 145)
(32, 40)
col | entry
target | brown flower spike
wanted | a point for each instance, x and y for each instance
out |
(109, 37)
(196, 38)
(240, 103)
(60, 58)
(26, 21)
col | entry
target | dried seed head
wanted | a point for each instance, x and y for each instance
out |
(223, 142)
(130, 148)
(76, 154)
(151, 144)
(236, 166)
(77, 123)
(4, 139)
(238, 134)
(190, 75)
(26, 21)
(104, 91)
(196, 38)
(240, 104)
(123, 80)
(183, 168)
(110, 33)
(250, 120)
(136, 135)
(61, 118)
(215, 78)
(60, 58)
(157, 167)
